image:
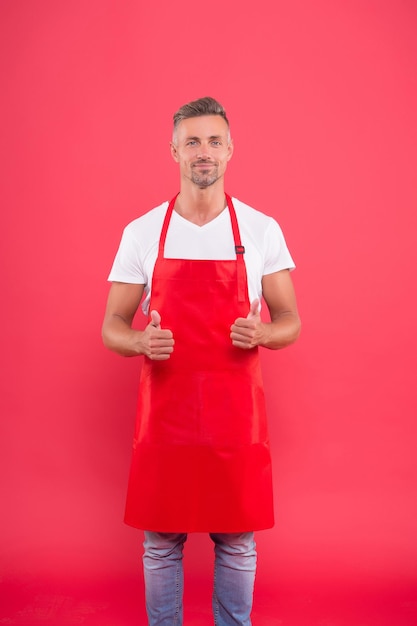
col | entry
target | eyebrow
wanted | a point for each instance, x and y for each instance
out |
(199, 138)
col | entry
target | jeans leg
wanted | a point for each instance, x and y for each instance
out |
(164, 579)
(234, 578)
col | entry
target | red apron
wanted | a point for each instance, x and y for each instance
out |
(201, 459)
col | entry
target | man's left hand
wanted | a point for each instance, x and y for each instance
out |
(246, 331)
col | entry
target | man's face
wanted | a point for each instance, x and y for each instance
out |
(202, 148)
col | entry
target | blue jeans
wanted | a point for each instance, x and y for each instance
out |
(234, 577)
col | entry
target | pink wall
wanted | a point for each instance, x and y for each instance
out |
(322, 99)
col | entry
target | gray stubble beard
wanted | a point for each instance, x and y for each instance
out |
(204, 181)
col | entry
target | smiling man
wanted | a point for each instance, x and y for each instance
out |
(201, 459)
(202, 156)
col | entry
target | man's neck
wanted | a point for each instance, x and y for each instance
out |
(200, 206)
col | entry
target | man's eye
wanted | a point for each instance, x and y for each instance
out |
(216, 143)
(191, 143)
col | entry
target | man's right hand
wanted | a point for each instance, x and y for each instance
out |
(118, 334)
(156, 343)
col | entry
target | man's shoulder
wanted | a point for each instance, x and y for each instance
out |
(152, 218)
(245, 211)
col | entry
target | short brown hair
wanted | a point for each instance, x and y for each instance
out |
(197, 108)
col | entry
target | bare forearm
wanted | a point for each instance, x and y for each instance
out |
(279, 333)
(119, 337)
(154, 342)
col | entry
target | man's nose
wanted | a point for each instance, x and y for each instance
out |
(203, 152)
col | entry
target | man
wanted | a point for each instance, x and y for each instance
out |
(201, 460)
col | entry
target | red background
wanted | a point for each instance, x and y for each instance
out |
(322, 98)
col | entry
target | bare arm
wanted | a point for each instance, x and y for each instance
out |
(118, 334)
(284, 326)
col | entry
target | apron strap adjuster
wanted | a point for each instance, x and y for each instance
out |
(240, 249)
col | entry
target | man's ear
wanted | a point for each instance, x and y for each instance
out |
(230, 149)
(174, 152)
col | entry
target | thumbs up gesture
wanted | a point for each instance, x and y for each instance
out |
(254, 310)
(155, 319)
(246, 331)
(157, 342)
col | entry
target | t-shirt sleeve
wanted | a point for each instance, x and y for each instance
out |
(127, 266)
(277, 255)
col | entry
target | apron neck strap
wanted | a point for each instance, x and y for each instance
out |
(165, 226)
(242, 281)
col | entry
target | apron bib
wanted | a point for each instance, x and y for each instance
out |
(201, 459)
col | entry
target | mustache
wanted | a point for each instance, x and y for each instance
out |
(204, 162)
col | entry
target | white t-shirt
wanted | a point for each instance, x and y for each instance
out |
(265, 248)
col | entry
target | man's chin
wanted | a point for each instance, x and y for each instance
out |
(204, 182)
